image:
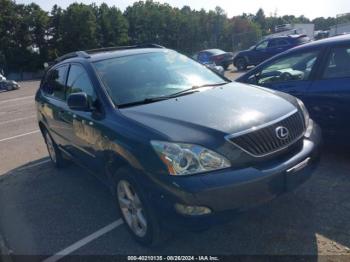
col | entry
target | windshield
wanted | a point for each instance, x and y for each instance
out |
(135, 78)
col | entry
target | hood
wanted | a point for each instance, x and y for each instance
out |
(226, 109)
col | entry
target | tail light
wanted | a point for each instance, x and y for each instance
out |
(218, 58)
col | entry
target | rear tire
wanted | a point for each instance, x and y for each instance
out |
(9, 88)
(226, 67)
(137, 213)
(54, 152)
(241, 64)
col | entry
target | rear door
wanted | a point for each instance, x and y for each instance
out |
(53, 106)
(282, 45)
(260, 53)
(330, 103)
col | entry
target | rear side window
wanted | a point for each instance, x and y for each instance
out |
(338, 64)
(302, 40)
(282, 42)
(273, 43)
(79, 81)
(55, 83)
(203, 57)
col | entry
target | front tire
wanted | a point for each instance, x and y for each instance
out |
(241, 64)
(55, 154)
(136, 211)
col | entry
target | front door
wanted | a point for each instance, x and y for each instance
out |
(330, 104)
(291, 74)
(87, 134)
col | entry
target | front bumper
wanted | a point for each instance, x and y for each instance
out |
(232, 191)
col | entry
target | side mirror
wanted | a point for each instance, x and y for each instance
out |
(79, 102)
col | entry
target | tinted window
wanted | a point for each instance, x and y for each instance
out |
(302, 40)
(262, 45)
(203, 57)
(273, 43)
(289, 68)
(79, 81)
(338, 64)
(137, 77)
(278, 42)
(282, 42)
(55, 84)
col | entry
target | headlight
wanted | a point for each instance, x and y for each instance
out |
(187, 159)
(305, 112)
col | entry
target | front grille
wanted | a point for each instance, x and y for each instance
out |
(264, 141)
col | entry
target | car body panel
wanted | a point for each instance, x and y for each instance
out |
(254, 107)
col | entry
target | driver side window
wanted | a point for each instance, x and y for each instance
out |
(262, 45)
(79, 81)
(293, 67)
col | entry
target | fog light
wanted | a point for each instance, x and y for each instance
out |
(192, 210)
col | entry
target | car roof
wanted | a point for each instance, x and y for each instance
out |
(325, 42)
(120, 53)
(295, 36)
(213, 50)
(107, 53)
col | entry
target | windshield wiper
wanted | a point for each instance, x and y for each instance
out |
(193, 89)
(208, 85)
(160, 98)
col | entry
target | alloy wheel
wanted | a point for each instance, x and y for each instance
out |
(132, 208)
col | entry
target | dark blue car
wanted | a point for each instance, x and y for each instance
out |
(267, 48)
(319, 74)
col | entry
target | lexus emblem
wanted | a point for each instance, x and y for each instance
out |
(282, 132)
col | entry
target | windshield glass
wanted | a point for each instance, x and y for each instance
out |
(138, 77)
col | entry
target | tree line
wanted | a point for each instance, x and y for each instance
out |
(30, 36)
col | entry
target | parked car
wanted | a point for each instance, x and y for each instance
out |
(8, 84)
(216, 56)
(318, 73)
(266, 49)
(177, 144)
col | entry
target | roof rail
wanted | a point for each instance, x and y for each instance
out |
(85, 54)
(82, 54)
(115, 48)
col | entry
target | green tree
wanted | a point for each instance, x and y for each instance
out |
(78, 28)
(112, 26)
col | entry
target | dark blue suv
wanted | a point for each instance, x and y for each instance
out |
(266, 49)
(177, 144)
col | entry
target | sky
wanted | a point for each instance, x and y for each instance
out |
(309, 8)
